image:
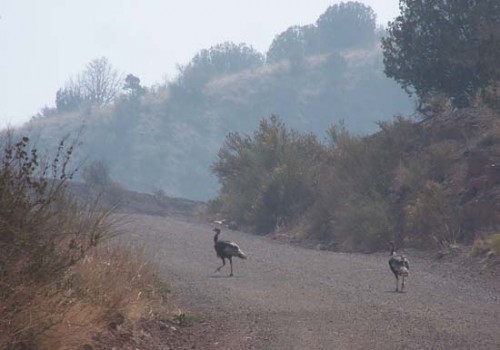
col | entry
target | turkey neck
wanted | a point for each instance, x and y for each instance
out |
(216, 237)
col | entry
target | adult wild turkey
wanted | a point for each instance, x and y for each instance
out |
(226, 250)
(400, 267)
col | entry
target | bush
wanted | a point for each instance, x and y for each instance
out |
(490, 95)
(495, 243)
(440, 157)
(266, 179)
(359, 192)
(480, 246)
(354, 186)
(43, 234)
(363, 224)
(434, 217)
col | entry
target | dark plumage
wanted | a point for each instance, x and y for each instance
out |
(400, 267)
(226, 250)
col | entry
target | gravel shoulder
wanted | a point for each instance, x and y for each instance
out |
(287, 297)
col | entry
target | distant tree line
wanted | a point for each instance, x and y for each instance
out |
(173, 130)
(341, 26)
(437, 47)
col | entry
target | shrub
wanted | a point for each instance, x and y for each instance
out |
(266, 178)
(490, 95)
(440, 157)
(363, 224)
(433, 217)
(480, 246)
(495, 243)
(43, 234)
(354, 184)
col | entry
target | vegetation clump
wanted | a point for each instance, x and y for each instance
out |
(427, 183)
(410, 182)
(449, 47)
(495, 244)
(57, 287)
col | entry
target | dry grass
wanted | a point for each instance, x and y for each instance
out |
(110, 287)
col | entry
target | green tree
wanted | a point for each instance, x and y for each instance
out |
(133, 86)
(440, 46)
(293, 44)
(345, 25)
(225, 58)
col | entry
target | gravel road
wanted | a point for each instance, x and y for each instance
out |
(287, 297)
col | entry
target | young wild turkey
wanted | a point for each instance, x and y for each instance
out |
(400, 267)
(226, 250)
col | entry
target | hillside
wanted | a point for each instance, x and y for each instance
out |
(168, 140)
(473, 138)
(166, 137)
(447, 186)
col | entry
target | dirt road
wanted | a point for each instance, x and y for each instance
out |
(286, 297)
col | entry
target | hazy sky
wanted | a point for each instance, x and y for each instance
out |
(44, 43)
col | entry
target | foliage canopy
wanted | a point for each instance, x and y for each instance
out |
(220, 59)
(441, 46)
